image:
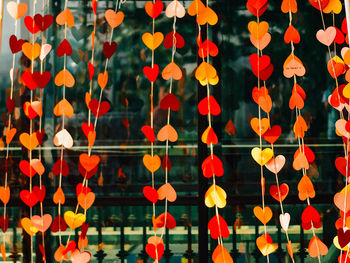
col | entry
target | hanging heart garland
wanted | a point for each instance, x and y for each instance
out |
(212, 167)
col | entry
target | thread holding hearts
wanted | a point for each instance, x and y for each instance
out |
(207, 76)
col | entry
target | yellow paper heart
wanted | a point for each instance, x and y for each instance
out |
(28, 226)
(74, 220)
(152, 41)
(262, 157)
(215, 195)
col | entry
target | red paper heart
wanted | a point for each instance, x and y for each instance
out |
(58, 223)
(30, 25)
(310, 156)
(99, 109)
(40, 193)
(310, 214)
(10, 103)
(29, 198)
(41, 79)
(341, 94)
(265, 74)
(26, 168)
(166, 163)
(28, 80)
(272, 134)
(168, 41)
(150, 193)
(42, 251)
(335, 99)
(64, 48)
(86, 174)
(70, 247)
(318, 3)
(340, 164)
(91, 70)
(257, 93)
(148, 132)
(40, 136)
(109, 49)
(259, 63)
(210, 136)
(82, 189)
(84, 228)
(254, 11)
(257, 4)
(211, 166)
(4, 223)
(339, 37)
(218, 227)
(15, 45)
(87, 128)
(170, 222)
(151, 73)
(203, 106)
(300, 91)
(170, 101)
(344, 26)
(29, 111)
(155, 252)
(154, 9)
(60, 165)
(43, 23)
(284, 189)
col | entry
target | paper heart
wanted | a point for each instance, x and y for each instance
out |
(87, 174)
(29, 198)
(15, 44)
(291, 34)
(265, 74)
(326, 37)
(151, 163)
(89, 162)
(86, 200)
(258, 30)
(151, 73)
(63, 107)
(218, 227)
(154, 9)
(259, 63)
(195, 7)
(37, 165)
(336, 67)
(114, 19)
(87, 128)
(276, 164)
(265, 103)
(207, 48)
(306, 188)
(28, 226)
(289, 5)
(99, 109)
(319, 4)
(167, 132)
(265, 245)
(28, 80)
(272, 134)
(172, 71)
(206, 74)
(262, 42)
(74, 220)
(155, 251)
(63, 138)
(82, 189)
(339, 201)
(31, 51)
(262, 156)
(60, 167)
(170, 40)
(58, 223)
(64, 48)
(91, 70)
(300, 162)
(279, 193)
(339, 37)
(259, 92)
(204, 106)
(80, 257)
(16, 10)
(251, 6)
(43, 23)
(260, 126)
(175, 8)
(342, 165)
(164, 220)
(29, 141)
(340, 126)
(150, 193)
(333, 6)
(45, 50)
(263, 214)
(29, 111)
(317, 247)
(300, 127)
(284, 221)
(41, 79)
(40, 192)
(167, 191)
(212, 165)
(221, 254)
(41, 223)
(10, 134)
(26, 168)
(296, 101)
(65, 17)
(257, 4)
(5, 194)
(102, 79)
(152, 41)
(310, 218)
(206, 15)
(148, 132)
(215, 195)
(109, 49)
(64, 77)
(4, 223)
(343, 237)
(59, 197)
(294, 67)
(170, 101)
(166, 163)
(209, 137)
(30, 25)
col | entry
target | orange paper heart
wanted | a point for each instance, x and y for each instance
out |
(172, 71)
(63, 108)
(102, 79)
(29, 141)
(152, 41)
(64, 77)
(151, 163)
(16, 11)
(258, 30)
(264, 215)
(31, 51)
(65, 17)
(114, 19)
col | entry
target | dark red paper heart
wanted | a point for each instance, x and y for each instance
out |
(64, 48)
(43, 23)
(99, 109)
(10, 103)
(87, 128)
(150, 193)
(169, 40)
(26, 168)
(151, 73)
(40, 136)
(41, 79)
(84, 228)
(56, 168)
(343, 237)
(40, 193)
(272, 134)
(30, 25)
(265, 74)
(15, 45)
(203, 106)
(170, 101)
(148, 132)
(109, 49)
(28, 80)
(218, 227)
(170, 221)
(85, 174)
(4, 223)
(29, 198)
(58, 224)
(166, 163)
(211, 166)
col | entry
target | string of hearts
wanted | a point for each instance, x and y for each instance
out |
(338, 100)
(212, 166)
(262, 69)
(304, 156)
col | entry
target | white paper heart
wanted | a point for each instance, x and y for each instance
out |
(175, 8)
(45, 49)
(284, 221)
(63, 138)
(275, 165)
(11, 74)
(80, 257)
